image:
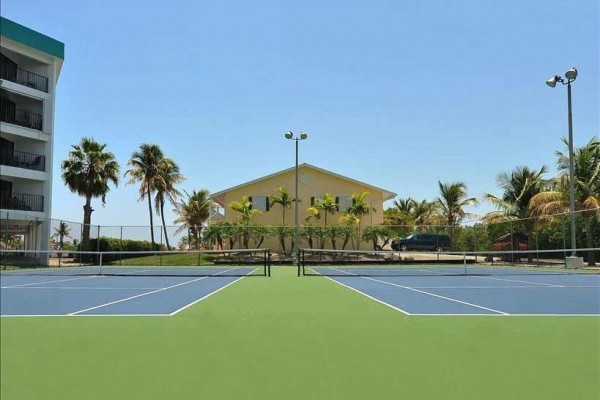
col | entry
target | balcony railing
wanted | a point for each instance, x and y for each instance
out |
(21, 159)
(20, 201)
(21, 117)
(24, 77)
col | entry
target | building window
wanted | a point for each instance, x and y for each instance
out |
(259, 203)
(343, 203)
(314, 199)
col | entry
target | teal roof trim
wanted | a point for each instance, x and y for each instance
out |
(31, 38)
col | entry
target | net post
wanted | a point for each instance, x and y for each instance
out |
(300, 260)
(465, 263)
(100, 263)
(268, 266)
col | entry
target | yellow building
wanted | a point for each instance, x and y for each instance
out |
(313, 183)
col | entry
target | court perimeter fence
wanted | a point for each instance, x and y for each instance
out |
(475, 236)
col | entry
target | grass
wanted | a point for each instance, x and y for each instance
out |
(299, 338)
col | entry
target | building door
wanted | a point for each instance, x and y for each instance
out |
(7, 151)
(8, 110)
(8, 68)
(5, 193)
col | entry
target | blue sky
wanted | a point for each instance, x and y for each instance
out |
(399, 94)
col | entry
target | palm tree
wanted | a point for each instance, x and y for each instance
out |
(244, 207)
(61, 232)
(193, 212)
(346, 225)
(326, 204)
(452, 200)
(359, 208)
(146, 169)
(165, 190)
(284, 199)
(88, 171)
(423, 214)
(519, 186)
(404, 209)
(586, 161)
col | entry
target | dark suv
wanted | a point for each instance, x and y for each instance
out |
(422, 241)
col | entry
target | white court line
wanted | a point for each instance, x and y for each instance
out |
(42, 283)
(66, 280)
(370, 297)
(82, 288)
(430, 294)
(505, 315)
(207, 296)
(505, 287)
(515, 280)
(81, 315)
(144, 294)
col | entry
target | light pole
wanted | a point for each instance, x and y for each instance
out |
(570, 76)
(290, 135)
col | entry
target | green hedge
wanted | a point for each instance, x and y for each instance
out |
(116, 244)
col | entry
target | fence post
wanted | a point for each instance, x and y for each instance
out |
(121, 243)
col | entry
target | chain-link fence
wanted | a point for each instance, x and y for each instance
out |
(541, 233)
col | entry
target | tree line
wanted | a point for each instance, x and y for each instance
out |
(528, 199)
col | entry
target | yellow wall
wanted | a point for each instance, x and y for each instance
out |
(315, 183)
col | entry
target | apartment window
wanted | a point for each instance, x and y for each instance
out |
(259, 203)
(314, 199)
(343, 203)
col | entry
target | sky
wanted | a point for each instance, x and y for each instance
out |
(397, 94)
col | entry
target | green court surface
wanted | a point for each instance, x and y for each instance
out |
(299, 338)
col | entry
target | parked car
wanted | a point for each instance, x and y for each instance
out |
(422, 241)
(510, 241)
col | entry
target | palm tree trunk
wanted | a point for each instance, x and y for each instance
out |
(162, 217)
(87, 220)
(589, 240)
(151, 219)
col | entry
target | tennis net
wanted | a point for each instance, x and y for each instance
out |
(413, 263)
(137, 263)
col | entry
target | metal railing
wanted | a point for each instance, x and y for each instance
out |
(20, 117)
(27, 78)
(21, 159)
(21, 201)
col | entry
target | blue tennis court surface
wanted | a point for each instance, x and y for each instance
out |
(104, 295)
(568, 294)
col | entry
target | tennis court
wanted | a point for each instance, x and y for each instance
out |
(221, 332)
(461, 284)
(121, 283)
(104, 295)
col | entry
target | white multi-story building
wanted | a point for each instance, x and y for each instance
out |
(30, 64)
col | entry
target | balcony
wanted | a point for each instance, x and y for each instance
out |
(20, 201)
(21, 159)
(20, 117)
(24, 77)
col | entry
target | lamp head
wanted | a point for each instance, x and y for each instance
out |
(552, 81)
(571, 74)
(289, 135)
(303, 136)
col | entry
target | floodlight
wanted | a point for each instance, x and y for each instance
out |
(552, 81)
(303, 136)
(289, 135)
(571, 74)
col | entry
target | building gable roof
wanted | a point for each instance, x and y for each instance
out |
(219, 196)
